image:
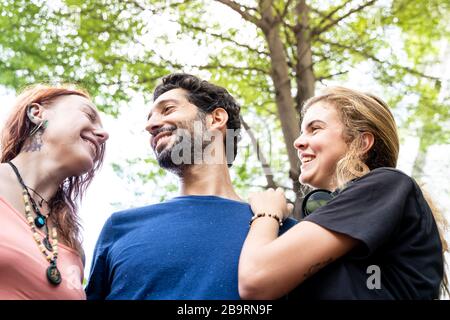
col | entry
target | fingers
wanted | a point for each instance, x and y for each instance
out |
(290, 208)
(272, 201)
(279, 190)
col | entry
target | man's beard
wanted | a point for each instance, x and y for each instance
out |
(166, 156)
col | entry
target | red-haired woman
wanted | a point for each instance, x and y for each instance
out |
(51, 146)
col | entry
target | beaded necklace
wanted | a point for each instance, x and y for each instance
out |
(48, 247)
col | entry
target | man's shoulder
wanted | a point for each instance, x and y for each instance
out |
(166, 209)
(139, 210)
(146, 210)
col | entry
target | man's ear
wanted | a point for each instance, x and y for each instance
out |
(34, 113)
(368, 140)
(219, 118)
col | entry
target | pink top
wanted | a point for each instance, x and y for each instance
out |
(23, 267)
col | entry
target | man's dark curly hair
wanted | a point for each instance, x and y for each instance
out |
(207, 97)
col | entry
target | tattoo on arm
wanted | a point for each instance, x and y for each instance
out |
(34, 143)
(316, 267)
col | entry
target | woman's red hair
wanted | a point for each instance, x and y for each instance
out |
(17, 129)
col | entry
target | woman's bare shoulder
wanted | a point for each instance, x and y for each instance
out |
(7, 183)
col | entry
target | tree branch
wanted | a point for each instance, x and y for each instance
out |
(156, 10)
(373, 58)
(247, 8)
(331, 75)
(238, 8)
(281, 15)
(229, 67)
(220, 36)
(265, 166)
(333, 22)
(211, 66)
(331, 13)
(289, 49)
(324, 57)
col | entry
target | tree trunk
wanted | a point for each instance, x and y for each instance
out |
(264, 164)
(305, 81)
(304, 68)
(288, 109)
(282, 83)
(419, 163)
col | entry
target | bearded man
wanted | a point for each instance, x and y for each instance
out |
(187, 247)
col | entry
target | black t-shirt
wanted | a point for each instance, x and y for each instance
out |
(399, 242)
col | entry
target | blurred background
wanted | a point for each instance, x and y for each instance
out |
(271, 55)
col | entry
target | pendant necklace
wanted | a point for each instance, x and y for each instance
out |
(48, 247)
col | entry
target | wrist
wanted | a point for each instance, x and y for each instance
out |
(275, 217)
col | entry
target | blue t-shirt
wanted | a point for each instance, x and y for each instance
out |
(184, 248)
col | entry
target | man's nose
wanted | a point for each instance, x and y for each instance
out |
(153, 123)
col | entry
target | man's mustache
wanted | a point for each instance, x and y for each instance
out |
(170, 128)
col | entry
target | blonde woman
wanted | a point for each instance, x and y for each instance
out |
(368, 232)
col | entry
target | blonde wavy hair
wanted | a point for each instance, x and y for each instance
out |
(361, 113)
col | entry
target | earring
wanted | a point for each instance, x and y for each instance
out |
(43, 124)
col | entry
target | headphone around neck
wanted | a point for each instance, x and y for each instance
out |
(319, 198)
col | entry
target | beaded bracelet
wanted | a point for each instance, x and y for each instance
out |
(263, 214)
